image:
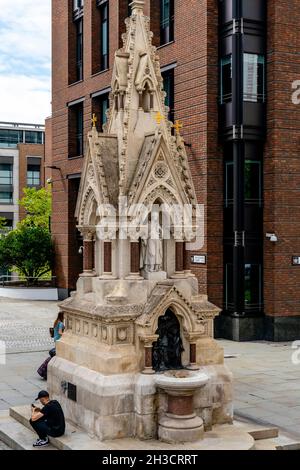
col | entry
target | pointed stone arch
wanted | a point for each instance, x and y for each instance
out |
(88, 210)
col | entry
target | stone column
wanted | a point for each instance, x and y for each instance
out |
(179, 260)
(88, 252)
(148, 349)
(193, 352)
(107, 251)
(135, 261)
(179, 257)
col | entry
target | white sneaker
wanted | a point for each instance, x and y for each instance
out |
(41, 443)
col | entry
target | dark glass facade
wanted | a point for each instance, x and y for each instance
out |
(242, 133)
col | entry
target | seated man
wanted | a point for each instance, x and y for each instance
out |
(48, 421)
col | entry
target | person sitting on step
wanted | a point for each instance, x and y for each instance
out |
(47, 421)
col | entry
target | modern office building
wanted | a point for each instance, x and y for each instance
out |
(21, 166)
(228, 68)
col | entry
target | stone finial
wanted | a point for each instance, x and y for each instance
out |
(137, 5)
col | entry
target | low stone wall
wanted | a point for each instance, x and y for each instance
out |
(27, 293)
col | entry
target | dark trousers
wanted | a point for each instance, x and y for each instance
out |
(42, 429)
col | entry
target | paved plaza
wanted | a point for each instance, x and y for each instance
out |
(267, 383)
(24, 327)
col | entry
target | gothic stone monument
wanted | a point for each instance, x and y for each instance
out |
(138, 358)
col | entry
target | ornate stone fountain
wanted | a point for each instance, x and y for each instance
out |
(137, 311)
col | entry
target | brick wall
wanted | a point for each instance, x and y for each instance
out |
(282, 162)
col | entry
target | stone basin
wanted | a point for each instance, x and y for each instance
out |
(181, 380)
(180, 423)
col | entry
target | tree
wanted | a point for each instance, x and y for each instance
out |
(28, 250)
(37, 203)
(2, 224)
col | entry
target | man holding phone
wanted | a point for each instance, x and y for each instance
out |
(47, 421)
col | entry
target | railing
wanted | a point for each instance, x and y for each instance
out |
(9, 280)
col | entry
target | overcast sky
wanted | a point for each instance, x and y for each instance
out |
(25, 60)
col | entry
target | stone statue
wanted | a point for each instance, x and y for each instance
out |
(152, 247)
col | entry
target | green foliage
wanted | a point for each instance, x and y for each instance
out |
(2, 224)
(28, 250)
(37, 203)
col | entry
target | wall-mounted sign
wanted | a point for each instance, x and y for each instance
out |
(198, 259)
(296, 260)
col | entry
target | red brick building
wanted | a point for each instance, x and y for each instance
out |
(228, 68)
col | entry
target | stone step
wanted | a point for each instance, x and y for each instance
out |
(222, 437)
(74, 438)
(18, 437)
(269, 437)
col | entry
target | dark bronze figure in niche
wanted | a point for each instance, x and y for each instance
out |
(168, 349)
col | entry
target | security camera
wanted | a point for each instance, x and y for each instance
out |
(49, 181)
(272, 237)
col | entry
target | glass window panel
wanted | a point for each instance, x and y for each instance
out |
(166, 21)
(33, 175)
(253, 181)
(79, 129)
(254, 78)
(168, 85)
(229, 286)
(228, 183)
(10, 138)
(33, 137)
(6, 174)
(226, 79)
(104, 36)
(79, 49)
(253, 283)
(6, 197)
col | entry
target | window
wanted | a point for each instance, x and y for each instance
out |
(79, 49)
(254, 78)
(6, 197)
(76, 130)
(6, 174)
(228, 183)
(168, 84)
(253, 286)
(229, 286)
(226, 79)
(100, 34)
(33, 137)
(10, 138)
(253, 181)
(33, 175)
(100, 105)
(104, 35)
(75, 41)
(8, 222)
(166, 21)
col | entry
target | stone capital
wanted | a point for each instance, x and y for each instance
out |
(137, 5)
(88, 233)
